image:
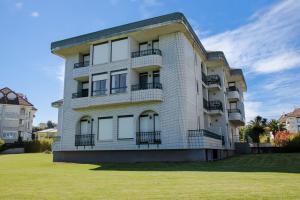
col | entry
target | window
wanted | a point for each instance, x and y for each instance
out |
(298, 129)
(155, 44)
(86, 58)
(85, 89)
(197, 86)
(232, 105)
(298, 120)
(156, 77)
(143, 46)
(119, 49)
(118, 82)
(156, 122)
(143, 80)
(125, 127)
(231, 84)
(84, 124)
(100, 54)
(99, 84)
(105, 128)
(20, 121)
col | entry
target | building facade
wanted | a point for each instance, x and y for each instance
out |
(16, 116)
(291, 121)
(147, 91)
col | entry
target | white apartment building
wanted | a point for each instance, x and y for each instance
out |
(147, 91)
(291, 121)
(16, 116)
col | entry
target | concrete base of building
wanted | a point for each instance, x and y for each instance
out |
(133, 156)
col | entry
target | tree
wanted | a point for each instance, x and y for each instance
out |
(244, 133)
(275, 126)
(50, 124)
(257, 128)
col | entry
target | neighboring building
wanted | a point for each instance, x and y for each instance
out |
(16, 116)
(291, 121)
(43, 125)
(147, 91)
(46, 133)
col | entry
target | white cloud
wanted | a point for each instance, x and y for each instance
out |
(35, 14)
(267, 43)
(19, 5)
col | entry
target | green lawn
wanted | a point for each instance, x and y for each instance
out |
(265, 176)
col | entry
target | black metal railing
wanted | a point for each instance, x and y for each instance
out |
(118, 90)
(211, 79)
(99, 92)
(85, 140)
(146, 53)
(234, 111)
(146, 86)
(81, 64)
(232, 88)
(83, 93)
(148, 137)
(204, 132)
(212, 105)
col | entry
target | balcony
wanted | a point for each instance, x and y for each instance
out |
(233, 93)
(85, 140)
(146, 92)
(81, 64)
(236, 117)
(212, 81)
(80, 94)
(81, 69)
(147, 59)
(202, 138)
(213, 107)
(148, 138)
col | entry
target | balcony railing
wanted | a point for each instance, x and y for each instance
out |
(85, 140)
(146, 53)
(211, 79)
(83, 93)
(81, 64)
(232, 88)
(234, 111)
(194, 137)
(99, 92)
(148, 137)
(146, 86)
(212, 105)
(118, 90)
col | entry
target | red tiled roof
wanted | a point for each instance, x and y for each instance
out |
(20, 98)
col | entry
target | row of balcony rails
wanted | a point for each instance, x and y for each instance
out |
(143, 86)
(142, 138)
(133, 55)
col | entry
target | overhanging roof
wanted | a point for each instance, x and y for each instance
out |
(126, 28)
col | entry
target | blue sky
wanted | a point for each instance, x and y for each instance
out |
(262, 37)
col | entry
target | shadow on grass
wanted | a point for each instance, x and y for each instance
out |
(284, 163)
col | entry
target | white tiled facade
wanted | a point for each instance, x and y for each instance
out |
(15, 121)
(178, 103)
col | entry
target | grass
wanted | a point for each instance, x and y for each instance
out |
(265, 176)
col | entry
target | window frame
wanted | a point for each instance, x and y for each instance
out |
(111, 49)
(118, 126)
(98, 127)
(105, 91)
(111, 81)
(108, 56)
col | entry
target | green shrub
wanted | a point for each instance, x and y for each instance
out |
(35, 146)
(293, 144)
(2, 142)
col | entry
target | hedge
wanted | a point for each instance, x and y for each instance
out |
(42, 145)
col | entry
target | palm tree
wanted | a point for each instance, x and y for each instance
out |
(257, 128)
(274, 126)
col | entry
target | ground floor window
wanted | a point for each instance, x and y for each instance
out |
(126, 127)
(105, 128)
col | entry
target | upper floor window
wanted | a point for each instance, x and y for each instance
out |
(118, 81)
(155, 44)
(119, 49)
(99, 84)
(100, 54)
(298, 120)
